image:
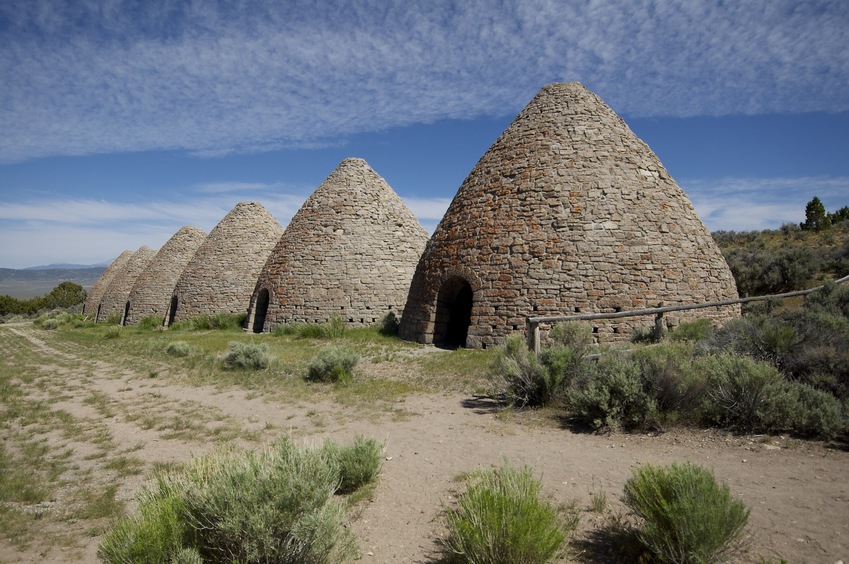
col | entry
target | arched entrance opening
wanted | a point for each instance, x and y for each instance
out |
(97, 315)
(260, 310)
(126, 314)
(453, 313)
(172, 311)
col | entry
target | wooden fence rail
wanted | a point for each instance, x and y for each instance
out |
(532, 323)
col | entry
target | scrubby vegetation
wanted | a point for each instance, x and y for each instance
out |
(526, 380)
(502, 518)
(332, 329)
(247, 356)
(178, 348)
(332, 364)
(239, 506)
(791, 258)
(65, 296)
(685, 515)
(765, 372)
(218, 321)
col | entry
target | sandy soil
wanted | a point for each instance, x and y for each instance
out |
(798, 491)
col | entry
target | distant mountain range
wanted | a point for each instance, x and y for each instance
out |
(64, 267)
(27, 283)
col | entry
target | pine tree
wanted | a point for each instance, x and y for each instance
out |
(816, 219)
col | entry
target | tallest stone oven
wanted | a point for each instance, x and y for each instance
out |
(567, 212)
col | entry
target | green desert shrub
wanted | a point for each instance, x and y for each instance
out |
(358, 463)
(810, 344)
(526, 380)
(225, 321)
(178, 348)
(667, 376)
(577, 336)
(802, 410)
(697, 330)
(112, 332)
(334, 328)
(218, 321)
(611, 395)
(686, 516)
(332, 364)
(832, 298)
(521, 377)
(247, 356)
(50, 324)
(736, 388)
(150, 323)
(277, 505)
(113, 318)
(152, 536)
(502, 519)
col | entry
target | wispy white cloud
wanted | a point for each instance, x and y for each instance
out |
(428, 208)
(91, 231)
(217, 77)
(746, 204)
(227, 187)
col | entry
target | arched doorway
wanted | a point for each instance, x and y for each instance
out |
(126, 314)
(172, 311)
(260, 310)
(453, 313)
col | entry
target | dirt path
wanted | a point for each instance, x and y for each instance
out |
(798, 491)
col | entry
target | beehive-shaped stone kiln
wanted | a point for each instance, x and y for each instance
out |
(95, 295)
(151, 293)
(222, 274)
(115, 297)
(568, 211)
(349, 252)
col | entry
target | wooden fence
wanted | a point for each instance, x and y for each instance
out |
(532, 323)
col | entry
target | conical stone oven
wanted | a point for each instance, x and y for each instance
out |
(95, 295)
(153, 288)
(567, 212)
(222, 274)
(349, 252)
(118, 292)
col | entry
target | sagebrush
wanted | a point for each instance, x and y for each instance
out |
(686, 516)
(502, 518)
(277, 505)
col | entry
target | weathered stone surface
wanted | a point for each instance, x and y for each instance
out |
(117, 293)
(349, 252)
(221, 276)
(567, 212)
(151, 293)
(95, 295)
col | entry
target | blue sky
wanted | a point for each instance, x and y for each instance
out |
(121, 121)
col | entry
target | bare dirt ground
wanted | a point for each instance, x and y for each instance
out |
(798, 491)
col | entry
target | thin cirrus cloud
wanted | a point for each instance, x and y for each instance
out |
(745, 204)
(222, 77)
(87, 231)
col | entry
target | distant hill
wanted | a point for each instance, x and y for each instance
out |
(782, 260)
(37, 281)
(65, 266)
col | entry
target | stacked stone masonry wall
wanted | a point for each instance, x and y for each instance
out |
(118, 292)
(151, 293)
(95, 295)
(349, 252)
(222, 274)
(568, 212)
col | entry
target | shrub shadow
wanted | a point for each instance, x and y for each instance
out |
(484, 405)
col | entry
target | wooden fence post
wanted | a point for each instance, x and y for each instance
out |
(659, 328)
